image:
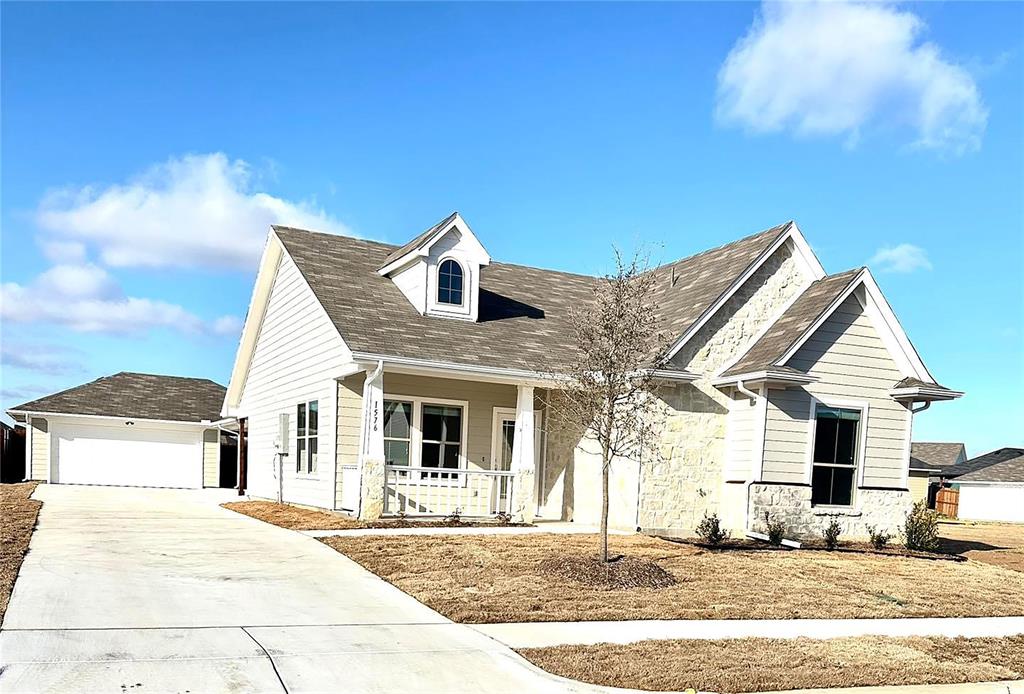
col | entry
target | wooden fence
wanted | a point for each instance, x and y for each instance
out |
(947, 502)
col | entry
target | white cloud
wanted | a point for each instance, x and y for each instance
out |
(837, 68)
(227, 325)
(54, 360)
(902, 258)
(192, 211)
(85, 298)
(64, 251)
(21, 393)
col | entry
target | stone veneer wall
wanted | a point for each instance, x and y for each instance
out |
(883, 508)
(686, 481)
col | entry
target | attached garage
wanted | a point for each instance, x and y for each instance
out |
(131, 430)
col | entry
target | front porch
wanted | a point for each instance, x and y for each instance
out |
(415, 444)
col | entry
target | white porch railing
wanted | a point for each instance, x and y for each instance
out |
(431, 491)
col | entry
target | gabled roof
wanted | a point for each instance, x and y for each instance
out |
(1010, 470)
(418, 242)
(982, 462)
(933, 456)
(524, 311)
(136, 396)
(793, 324)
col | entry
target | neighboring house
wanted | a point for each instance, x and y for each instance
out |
(927, 460)
(381, 380)
(129, 429)
(991, 486)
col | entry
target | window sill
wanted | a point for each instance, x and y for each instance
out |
(836, 511)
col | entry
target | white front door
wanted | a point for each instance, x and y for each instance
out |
(503, 435)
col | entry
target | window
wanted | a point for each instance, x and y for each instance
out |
(836, 435)
(307, 421)
(397, 432)
(449, 283)
(442, 437)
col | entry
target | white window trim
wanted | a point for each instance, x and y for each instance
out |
(862, 443)
(307, 473)
(416, 434)
(463, 311)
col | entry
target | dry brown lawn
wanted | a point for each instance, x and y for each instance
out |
(19, 513)
(293, 517)
(748, 665)
(491, 578)
(1000, 544)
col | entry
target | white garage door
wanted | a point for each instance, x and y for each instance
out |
(129, 456)
(991, 503)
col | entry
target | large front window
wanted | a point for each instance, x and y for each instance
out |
(836, 436)
(397, 432)
(307, 420)
(442, 437)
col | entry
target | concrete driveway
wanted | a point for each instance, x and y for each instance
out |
(162, 590)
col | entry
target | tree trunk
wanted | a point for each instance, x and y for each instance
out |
(605, 464)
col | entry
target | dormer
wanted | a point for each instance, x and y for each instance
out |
(439, 270)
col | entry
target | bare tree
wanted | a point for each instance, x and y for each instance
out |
(608, 392)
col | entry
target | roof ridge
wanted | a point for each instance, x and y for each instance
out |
(779, 229)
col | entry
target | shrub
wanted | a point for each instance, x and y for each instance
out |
(831, 534)
(921, 529)
(710, 530)
(776, 529)
(454, 518)
(879, 538)
(503, 518)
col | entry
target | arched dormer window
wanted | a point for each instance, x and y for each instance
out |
(449, 283)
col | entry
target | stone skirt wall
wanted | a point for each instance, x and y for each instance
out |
(885, 509)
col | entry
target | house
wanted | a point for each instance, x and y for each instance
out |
(129, 429)
(927, 460)
(381, 380)
(991, 486)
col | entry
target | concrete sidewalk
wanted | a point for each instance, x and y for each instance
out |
(543, 634)
(163, 591)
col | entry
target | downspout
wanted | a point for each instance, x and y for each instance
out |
(927, 404)
(746, 391)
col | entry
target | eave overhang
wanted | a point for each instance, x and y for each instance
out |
(924, 394)
(777, 378)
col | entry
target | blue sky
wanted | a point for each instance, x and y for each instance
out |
(146, 147)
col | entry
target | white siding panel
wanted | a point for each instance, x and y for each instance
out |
(740, 438)
(991, 503)
(851, 362)
(297, 355)
(40, 449)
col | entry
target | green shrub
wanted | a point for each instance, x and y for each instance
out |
(831, 534)
(775, 529)
(921, 529)
(710, 530)
(879, 538)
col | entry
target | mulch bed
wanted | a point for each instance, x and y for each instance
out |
(299, 518)
(19, 514)
(812, 546)
(619, 573)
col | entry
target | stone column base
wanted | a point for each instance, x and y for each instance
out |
(371, 490)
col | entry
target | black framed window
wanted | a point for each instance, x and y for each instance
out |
(449, 283)
(307, 419)
(442, 438)
(836, 441)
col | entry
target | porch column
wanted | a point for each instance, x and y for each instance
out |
(371, 450)
(524, 501)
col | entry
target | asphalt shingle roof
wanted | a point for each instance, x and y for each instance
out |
(982, 462)
(793, 323)
(1011, 470)
(933, 455)
(137, 396)
(417, 242)
(524, 311)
